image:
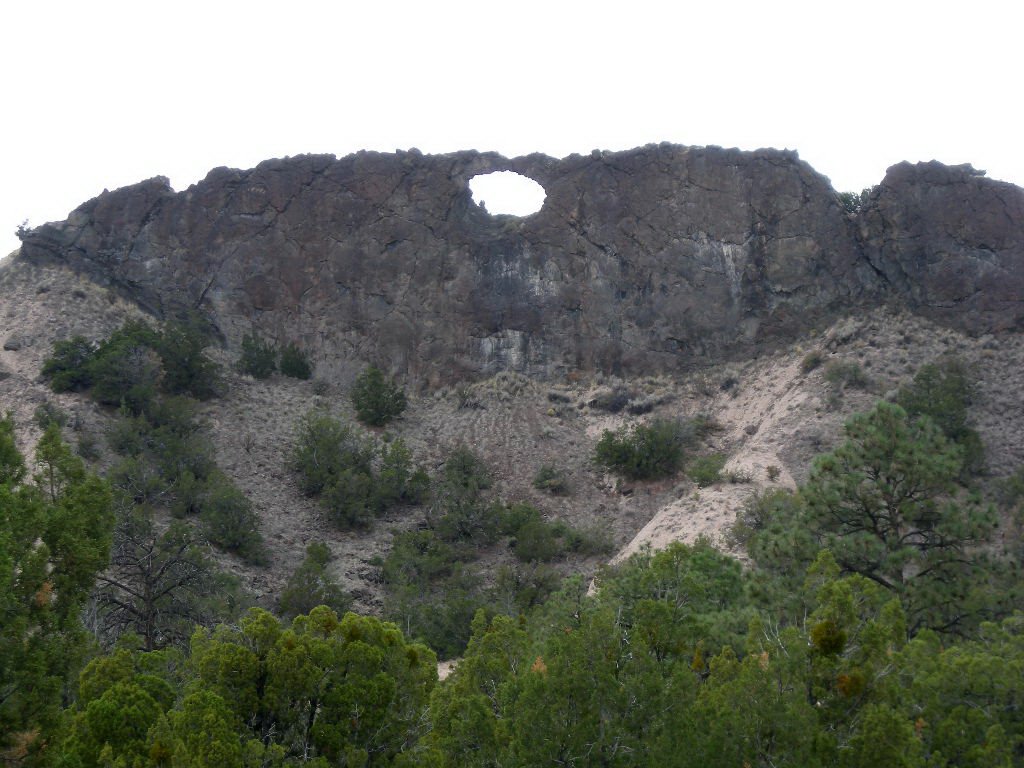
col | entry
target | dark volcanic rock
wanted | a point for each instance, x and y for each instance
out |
(951, 244)
(649, 260)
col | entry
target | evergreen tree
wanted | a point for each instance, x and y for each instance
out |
(885, 504)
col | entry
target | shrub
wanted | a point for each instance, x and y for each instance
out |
(311, 584)
(706, 470)
(126, 369)
(398, 481)
(67, 368)
(551, 480)
(134, 362)
(431, 595)
(811, 361)
(258, 358)
(466, 471)
(643, 452)
(841, 374)
(537, 541)
(230, 522)
(377, 400)
(187, 370)
(942, 392)
(612, 400)
(295, 363)
(460, 513)
(12, 465)
(323, 449)
(47, 413)
(87, 447)
(352, 500)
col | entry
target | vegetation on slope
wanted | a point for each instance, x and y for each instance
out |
(878, 622)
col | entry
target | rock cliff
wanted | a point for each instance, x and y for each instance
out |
(650, 260)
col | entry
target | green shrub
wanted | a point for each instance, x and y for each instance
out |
(258, 358)
(139, 480)
(87, 447)
(644, 451)
(67, 368)
(377, 399)
(311, 584)
(230, 523)
(47, 414)
(431, 594)
(518, 588)
(352, 499)
(460, 511)
(134, 363)
(399, 481)
(186, 368)
(338, 465)
(189, 495)
(943, 392)
(466, 471)
(537, 540)
(295, 363)
(12, 465)
(706, 470)
(551, 480)
(325, 448)
(126, 369)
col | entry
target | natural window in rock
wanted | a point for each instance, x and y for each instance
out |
(508, 193)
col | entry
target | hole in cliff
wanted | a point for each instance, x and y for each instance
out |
(507, 193)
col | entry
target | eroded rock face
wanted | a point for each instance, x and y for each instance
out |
(950, 243)
(649, 260)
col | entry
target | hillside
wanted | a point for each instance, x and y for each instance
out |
(703, 464)
(769, 414)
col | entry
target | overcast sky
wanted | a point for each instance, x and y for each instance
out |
(103, 94)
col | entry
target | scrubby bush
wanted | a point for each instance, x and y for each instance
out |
(86, 447)
(67, 368)
(47, 414)
(611, 399)
(644, 451)
(311, 584)
(811, 361)
(258, 358)
(337, 464)
(377, 399)
(706, 470)
(135, 363)
(295, 362)
(431, 594)
(351, 500)
(943, 391)
(230, 522)
(186, 368)
(551, 480)
(841, 373)
(459, 511)
(127, 369)
(325, 448)
(399, 481)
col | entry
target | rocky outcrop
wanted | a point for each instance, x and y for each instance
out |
(649, 260)
(950, 243)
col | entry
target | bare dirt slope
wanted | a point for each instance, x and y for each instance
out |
(769, 412)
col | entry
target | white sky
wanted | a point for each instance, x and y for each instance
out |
(103, 94)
